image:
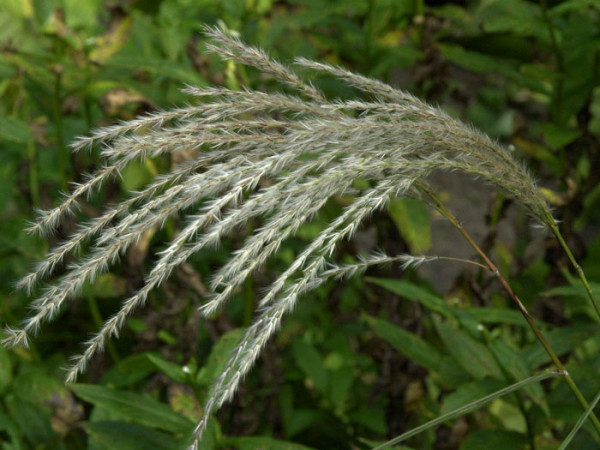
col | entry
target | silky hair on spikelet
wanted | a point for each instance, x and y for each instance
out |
(310, 147)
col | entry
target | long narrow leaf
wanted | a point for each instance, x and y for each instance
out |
(580, 423)
(470, 407)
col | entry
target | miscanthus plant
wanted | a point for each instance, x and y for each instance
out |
(311, 149)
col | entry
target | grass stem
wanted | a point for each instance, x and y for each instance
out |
(538, 333)
(578, 269)
(58, 126)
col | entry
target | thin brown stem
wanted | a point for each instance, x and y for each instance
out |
(538, 333)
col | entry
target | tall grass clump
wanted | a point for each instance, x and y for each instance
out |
(311, 149)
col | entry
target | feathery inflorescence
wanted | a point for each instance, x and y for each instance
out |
(310, 149)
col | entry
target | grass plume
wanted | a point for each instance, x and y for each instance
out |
(310, 147)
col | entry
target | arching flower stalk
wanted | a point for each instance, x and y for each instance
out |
(310, 148)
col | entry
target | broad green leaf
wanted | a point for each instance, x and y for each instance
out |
(135, 176)
(261, 443)
(183, 400)
(577, 290)
(509, 415)
(407, 343)
(107, 285)
(33, 420)
(301, 419)
(558, 136)
(340, 382)
(495, 439)
(562, 340)
(35, 67)
(470, 392)
(128, 436)
(513, 16)
(135, 407)
(576, 298)
(38, 387)
(372, 419)
(311, 363)
(218, 357)
(128, 371)
(498, 315)
(173, 371)
(411, 291)
(14, 130)
(481, 63)
(450, 375)
(412, 220)
(158, 67)
(573, 6)
(109, 43)
(473, 356)
(513, 363)
(81, 14)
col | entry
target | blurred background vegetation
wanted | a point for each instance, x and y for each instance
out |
(359, 361)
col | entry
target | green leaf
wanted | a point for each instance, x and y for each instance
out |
(340, 382)
(562, 340)
(515, 17)
(107, 285)
(127, 436)
(6, 369)
(33, 420)
(301, 419)
(580, 422)
(473, 356)
(577, 290)
(372, 419)
(159, 67)
(218, 357)
(450, 375)
(411, 291)
(261, 443)
(128, 371)
(469, 392)
(80, 14)
(496, 439)
(573, 6)
(498, 315)
(407, 343)
(173, 371)
(480, 63)
(468, 408)
(558, 136)
(576, 298)
(14, 130)
(514, 363)
(412, 220)
(133, 407)
(135, 176)
(311, 363)
(11, 429)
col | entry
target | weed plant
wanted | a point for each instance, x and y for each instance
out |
(382, 145)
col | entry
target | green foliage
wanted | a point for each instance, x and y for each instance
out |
(360, 360)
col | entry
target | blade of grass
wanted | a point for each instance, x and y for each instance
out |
(471, 407)
(578, 269)
(580, 422)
